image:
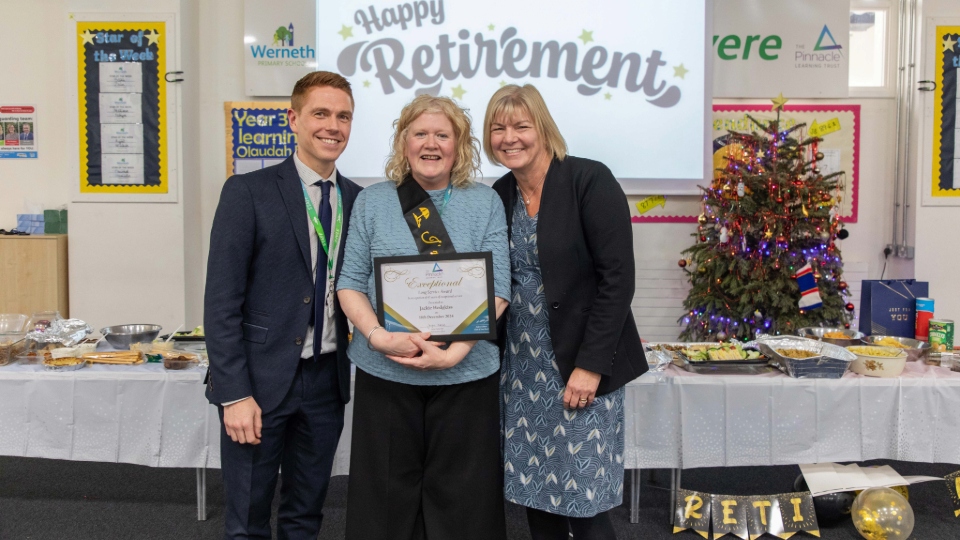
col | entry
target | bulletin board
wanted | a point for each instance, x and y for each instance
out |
(837, 125)
(945, 179)
(258, 135)
(122, 105)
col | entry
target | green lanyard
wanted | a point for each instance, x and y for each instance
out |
(337, 228)
(446, 198)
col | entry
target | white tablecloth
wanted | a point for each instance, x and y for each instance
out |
(144, 415)
(680, 420)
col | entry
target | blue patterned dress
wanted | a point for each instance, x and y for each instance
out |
(556, 460)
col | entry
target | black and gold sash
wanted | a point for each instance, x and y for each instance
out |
(424, 220)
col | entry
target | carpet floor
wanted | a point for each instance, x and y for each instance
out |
(56, 500)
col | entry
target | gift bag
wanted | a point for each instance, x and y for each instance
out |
(889, 307)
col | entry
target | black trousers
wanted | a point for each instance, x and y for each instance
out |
(301, 434)
(425, 462)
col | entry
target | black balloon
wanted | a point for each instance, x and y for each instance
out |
(831, 508)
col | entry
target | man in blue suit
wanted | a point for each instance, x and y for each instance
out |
(276, 335)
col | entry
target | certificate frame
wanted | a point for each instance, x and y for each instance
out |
(397, 322)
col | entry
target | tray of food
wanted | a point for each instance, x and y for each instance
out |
(721, 353)
(194, 335)
(175, 359)
(64, 364)
(116, 358)
(915, 349)
(804, 358)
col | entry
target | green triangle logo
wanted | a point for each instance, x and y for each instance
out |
(821, 47)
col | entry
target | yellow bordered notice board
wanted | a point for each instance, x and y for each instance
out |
(122, 103)
(946, 113)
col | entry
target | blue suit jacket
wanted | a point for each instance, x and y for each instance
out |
(260, 292)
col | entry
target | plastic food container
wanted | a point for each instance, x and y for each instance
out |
(11, 346)
(178, 360)
(873, 361)
(12, 323)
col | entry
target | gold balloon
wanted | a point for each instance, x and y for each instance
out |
(882, 514)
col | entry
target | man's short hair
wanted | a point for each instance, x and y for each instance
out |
(314, 80)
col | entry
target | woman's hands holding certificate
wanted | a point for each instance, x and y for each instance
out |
(396, 344)
(434, 357)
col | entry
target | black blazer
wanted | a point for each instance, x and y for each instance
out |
(585, 241)
(259, 291)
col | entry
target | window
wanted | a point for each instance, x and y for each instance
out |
(868, 46)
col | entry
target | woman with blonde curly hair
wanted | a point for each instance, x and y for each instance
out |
(425, 455)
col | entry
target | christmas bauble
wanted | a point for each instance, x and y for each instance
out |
(819, 156)
(781, 239)
(849, 307)
(703, 238)
(757, 314)
(843, 234)
(846, 325)
(682, 263)
(816, 170)
(842, 285)
(826, 197)
(702, 219)
(816, 276)
(741, 189)
(721, 336)
(779, 199)
(702, 270)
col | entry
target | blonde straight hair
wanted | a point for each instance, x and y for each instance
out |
(466, 166)
(512, 101)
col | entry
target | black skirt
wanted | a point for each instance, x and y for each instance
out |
(425, 461)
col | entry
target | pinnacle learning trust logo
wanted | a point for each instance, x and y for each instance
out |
(282, 51)
(827, 53)
(825, 33)
(436, 267)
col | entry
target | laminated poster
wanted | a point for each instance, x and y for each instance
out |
(122, 102)
(19, 126)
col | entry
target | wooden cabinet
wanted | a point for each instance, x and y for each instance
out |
(33, 274)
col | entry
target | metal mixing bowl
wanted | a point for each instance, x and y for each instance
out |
(124, 335)
(853, 337)
(916, 349)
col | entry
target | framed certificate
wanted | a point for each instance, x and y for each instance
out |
(450, 296)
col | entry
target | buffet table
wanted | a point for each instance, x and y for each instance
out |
(146, 415)
(679, 420)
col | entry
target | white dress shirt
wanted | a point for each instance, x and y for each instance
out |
(308, 176)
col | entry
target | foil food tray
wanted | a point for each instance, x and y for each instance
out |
(830, 362)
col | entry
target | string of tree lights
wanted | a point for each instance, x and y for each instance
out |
(767, 215)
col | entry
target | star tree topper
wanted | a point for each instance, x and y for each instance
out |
(778, 102)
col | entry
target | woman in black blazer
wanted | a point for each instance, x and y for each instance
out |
(571, 341)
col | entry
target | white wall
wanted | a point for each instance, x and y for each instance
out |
(937, 247)
(146, 262)
(126, 261)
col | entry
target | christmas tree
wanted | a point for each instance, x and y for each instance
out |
(765, 258)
